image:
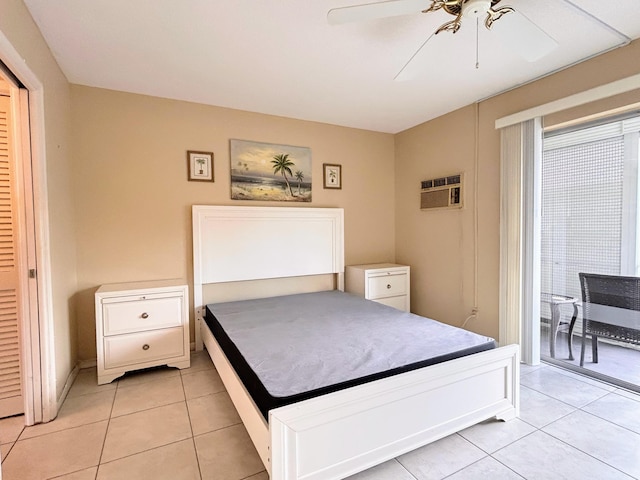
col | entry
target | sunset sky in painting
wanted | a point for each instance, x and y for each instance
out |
(255, 158)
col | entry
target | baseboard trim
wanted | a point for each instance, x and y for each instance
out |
(93, 362)
(65, 391)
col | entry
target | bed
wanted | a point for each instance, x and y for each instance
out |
(249, 253)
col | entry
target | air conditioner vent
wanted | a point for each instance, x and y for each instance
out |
(443, 192)
(439, 182)
(453, 180)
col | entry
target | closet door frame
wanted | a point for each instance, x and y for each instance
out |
(38, 353)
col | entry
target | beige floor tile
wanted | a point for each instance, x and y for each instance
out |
(11, 428)
(492, 435)
(541, 456)
(143, 376)
(156, 393)
(86, 474)
(258, 476)
(199, 361)
(384, 471)
(629, 394)
(87, 382)
(212, 412)
(145, 430)
(172, 462)
(441, 459)
(4, 450)
(55, 454)
(76, 411)
(227, 454)
(202, 383)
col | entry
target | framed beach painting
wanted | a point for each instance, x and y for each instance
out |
(270, 172)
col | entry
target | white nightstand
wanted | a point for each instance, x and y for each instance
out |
(141, 325)
(386, 283)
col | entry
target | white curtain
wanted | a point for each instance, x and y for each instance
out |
(521, 152)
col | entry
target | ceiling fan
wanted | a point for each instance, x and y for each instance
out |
(515, 30)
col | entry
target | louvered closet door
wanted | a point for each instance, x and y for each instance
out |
(11, 401)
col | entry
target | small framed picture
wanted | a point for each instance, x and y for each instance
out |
(332, 175)
(200, 165)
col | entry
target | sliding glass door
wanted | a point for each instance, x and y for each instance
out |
(589, 224)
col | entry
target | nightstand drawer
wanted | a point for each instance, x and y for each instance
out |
(387, 285)
(131, 314)
(126, 350)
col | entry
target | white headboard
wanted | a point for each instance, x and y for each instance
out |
(233, 244)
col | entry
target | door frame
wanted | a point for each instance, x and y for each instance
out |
(39, 373)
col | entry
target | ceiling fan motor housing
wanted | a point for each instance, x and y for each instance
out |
(470, 8)
(476, 8)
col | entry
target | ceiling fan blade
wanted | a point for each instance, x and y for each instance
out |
(391, 8)
(407, 72)
(523, 37)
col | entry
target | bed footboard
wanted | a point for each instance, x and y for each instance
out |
(339, 434)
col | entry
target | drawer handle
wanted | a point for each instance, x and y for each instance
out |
(145, 346)
(388, 286)
(145, 315)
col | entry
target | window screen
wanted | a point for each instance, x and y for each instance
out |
(582, 207)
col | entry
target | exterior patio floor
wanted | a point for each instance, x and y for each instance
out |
(615, 361)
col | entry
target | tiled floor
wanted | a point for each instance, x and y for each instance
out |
(170, 424)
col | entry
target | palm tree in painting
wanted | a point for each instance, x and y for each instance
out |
(282, 164)
(299, 177)
(200, 161)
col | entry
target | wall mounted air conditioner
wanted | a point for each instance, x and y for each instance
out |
(443, 192)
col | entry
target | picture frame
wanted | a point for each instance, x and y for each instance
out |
(270, 172)
(332, 176)
(200, 166)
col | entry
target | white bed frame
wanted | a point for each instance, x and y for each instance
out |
(342, 433)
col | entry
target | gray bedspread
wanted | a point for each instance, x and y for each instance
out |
(298, 343)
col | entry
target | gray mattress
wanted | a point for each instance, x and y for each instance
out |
(309, 342)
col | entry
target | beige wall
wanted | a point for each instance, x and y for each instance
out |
(17, 25)
(616, 105)
(134, 200)
(439, 244)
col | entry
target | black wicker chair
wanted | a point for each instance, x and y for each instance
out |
(619, 323)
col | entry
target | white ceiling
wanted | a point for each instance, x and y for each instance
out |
(281, 57)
